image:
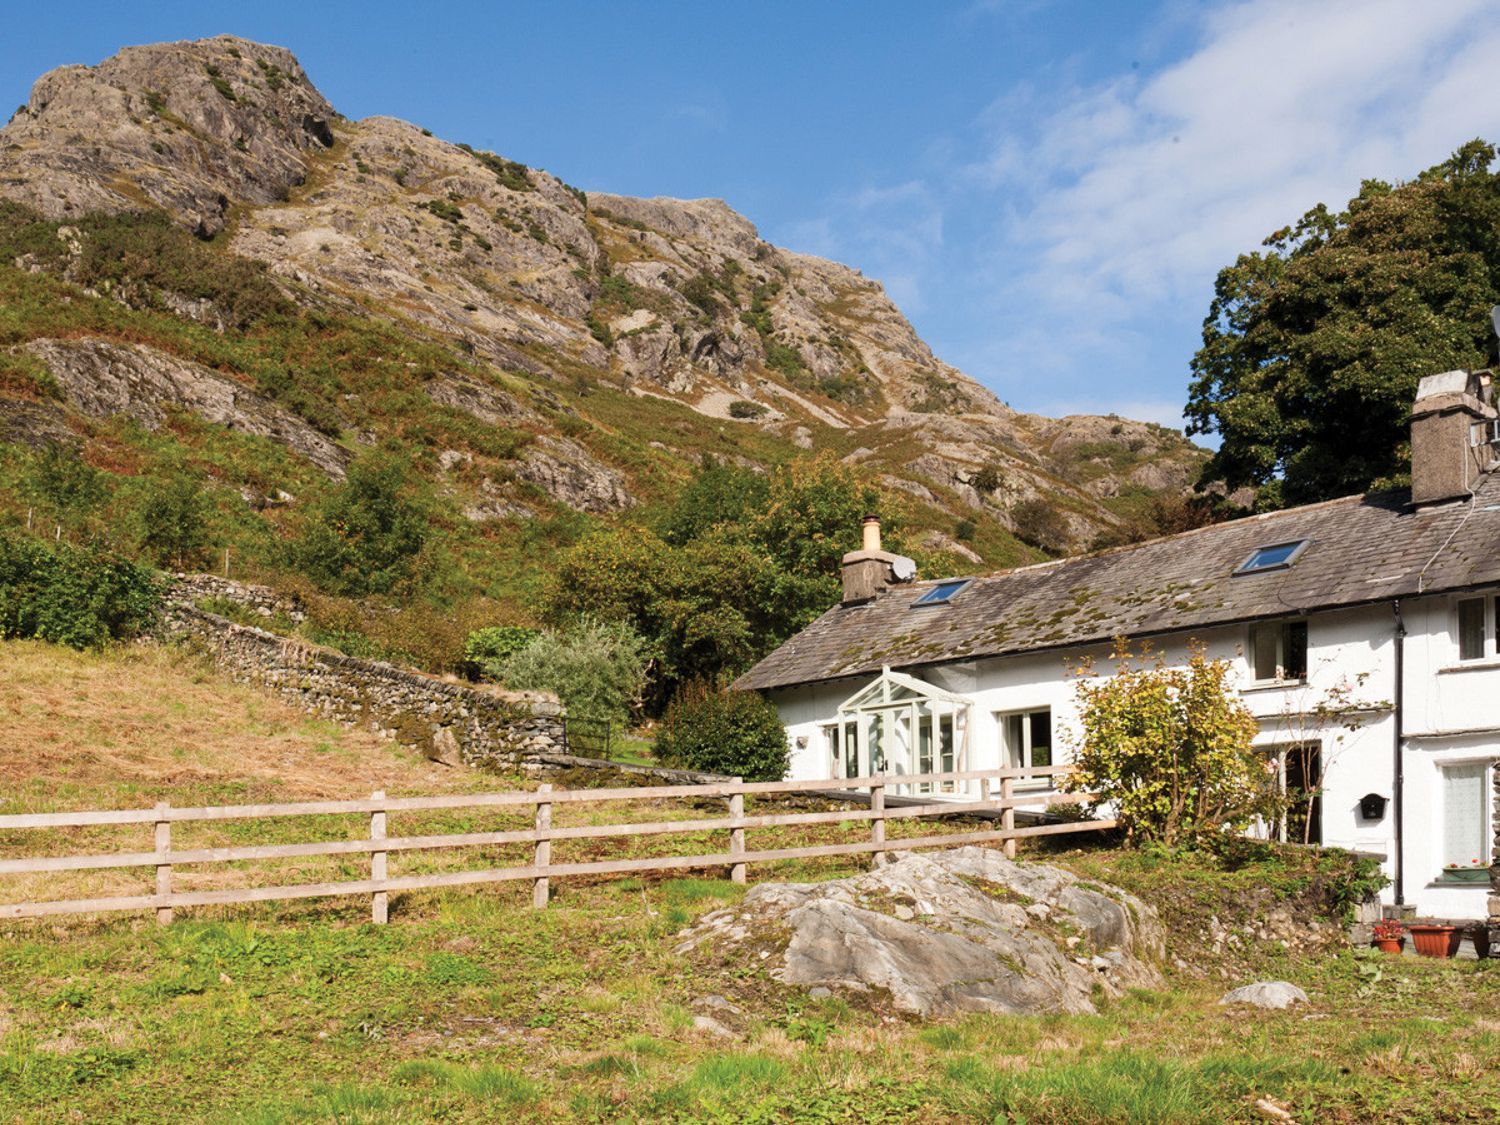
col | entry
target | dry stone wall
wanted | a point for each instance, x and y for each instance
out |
(460, 724)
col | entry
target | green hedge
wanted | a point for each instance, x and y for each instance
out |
(735, 733)
(72, 596)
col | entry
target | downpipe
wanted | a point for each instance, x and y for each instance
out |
(1398, 792)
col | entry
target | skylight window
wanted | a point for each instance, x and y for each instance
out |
(1275, 557)
(943, 592)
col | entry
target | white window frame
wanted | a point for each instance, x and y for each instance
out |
(1486, 769)
(1489, 627)
(1023, 753)
(1282, 627)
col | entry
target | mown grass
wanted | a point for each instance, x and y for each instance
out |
(469, 1006)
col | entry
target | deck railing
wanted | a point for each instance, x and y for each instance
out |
(997, 798)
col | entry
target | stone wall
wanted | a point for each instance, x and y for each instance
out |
(452, 722)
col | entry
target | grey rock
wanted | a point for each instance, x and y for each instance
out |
(102, 379)
(1275, 994)
(966, 951)
(713, 1027)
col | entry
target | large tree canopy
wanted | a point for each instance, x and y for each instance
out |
(1312, 348)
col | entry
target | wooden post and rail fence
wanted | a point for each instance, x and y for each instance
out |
(379, 846)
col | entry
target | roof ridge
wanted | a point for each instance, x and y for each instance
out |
(1124, 548)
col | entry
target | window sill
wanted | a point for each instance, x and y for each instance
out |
(1480, 883)
(1488, 663)
(1271, 685)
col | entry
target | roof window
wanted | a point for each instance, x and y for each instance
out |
(943, 592)
(1275, 557)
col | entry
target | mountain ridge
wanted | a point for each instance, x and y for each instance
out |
(561, 299)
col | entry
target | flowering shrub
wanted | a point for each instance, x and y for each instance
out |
(1169, 749)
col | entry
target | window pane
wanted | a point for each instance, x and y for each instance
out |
(1041, 738)
(1463, 814)
(874, 732)
(945, 745)
(851, 750)
(831, 737)
(1263, 654)
(1294, 651)
(1015, 742)
(1471, 629)
(924, 744)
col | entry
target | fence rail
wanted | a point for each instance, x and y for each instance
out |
(997, 796)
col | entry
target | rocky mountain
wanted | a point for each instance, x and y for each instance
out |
(621, 338)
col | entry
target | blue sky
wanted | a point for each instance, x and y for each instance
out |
(1046, 188)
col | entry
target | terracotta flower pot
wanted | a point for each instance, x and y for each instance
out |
(1435, 941)
(1390, 944)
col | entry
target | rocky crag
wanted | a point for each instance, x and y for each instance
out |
(550, 293)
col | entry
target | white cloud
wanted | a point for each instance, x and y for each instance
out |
(1139, 189)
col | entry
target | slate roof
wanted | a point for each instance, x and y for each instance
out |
(1360, 550)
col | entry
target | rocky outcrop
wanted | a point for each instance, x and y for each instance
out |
(102, 379)
(191, 127)
(946, 932)
(561, 469)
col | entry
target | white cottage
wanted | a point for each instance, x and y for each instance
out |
(1364, 634)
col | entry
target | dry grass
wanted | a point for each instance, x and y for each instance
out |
(81, 730)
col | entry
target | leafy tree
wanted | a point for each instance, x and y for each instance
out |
(174, 520)
(366, 537)
(1169, 749)
(742, 562)
(735, 733)
(717, 496)
(60, 480)
(1312, 348)
(598, 670)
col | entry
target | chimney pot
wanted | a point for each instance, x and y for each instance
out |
(871, 534)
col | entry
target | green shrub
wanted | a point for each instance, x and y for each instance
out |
(366, 537)
(174, 521)
(597, 670)
(1041, 525)
(737, 733)
(493, 644)
(741, 408)
(987, 479)
(786, 360)
(1169, 749)
(71, 596)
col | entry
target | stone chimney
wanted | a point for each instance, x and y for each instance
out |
(1452, 423)
(870, 570)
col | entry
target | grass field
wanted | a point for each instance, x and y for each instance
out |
(471, 1007)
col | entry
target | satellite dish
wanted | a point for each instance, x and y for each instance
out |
(903, 568)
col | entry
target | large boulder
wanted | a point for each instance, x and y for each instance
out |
(957, 931)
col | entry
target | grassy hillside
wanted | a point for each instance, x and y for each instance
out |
(470, 1006)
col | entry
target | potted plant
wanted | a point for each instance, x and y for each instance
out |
(1435, 939)
(1390, 935)
(1475, 871)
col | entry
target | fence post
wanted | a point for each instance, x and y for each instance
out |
(380, 900)
(1008, 817)
(539, 888)
(877, 826)
(737, 835)
(163, 870)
